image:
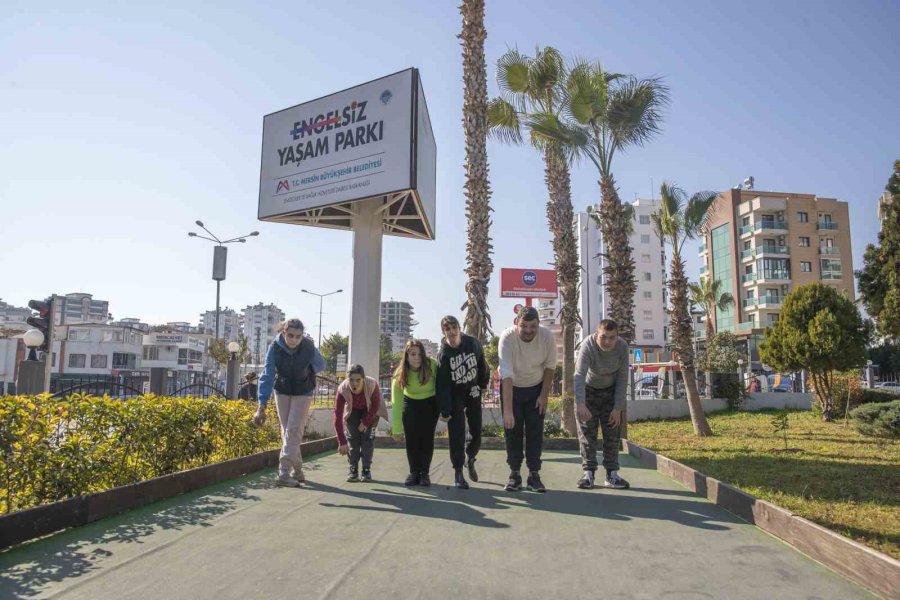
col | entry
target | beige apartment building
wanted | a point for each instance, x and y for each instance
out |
(763, 245)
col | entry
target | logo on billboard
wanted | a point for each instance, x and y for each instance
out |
(283, 185)
(385, 97)
(529, 278)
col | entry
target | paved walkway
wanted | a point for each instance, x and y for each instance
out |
(248, 539)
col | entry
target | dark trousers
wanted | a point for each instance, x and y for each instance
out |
(601, 403)
(529, 424)
(362, 443)
(464, 409)
(419, 420)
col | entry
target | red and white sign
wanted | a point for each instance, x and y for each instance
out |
(528, 283)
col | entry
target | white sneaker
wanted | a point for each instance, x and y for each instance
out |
(298, 475)
(287, 481)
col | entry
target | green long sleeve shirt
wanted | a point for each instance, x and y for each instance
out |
(414, 390)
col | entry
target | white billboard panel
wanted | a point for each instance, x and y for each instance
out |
(350, 145)
(426, 158)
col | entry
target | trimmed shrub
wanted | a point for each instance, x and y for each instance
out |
(881, 419)
(53, 449)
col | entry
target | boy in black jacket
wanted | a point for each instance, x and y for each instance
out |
(462, 376)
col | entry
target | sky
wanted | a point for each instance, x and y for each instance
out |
(122, 124)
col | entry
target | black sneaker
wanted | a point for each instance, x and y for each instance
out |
(587, 481)
(424, 479)
(411, 480)
(515, 482)
(613, 481)
(534, 482)
(473, 474)
(353, 476)
(366, 475)
(460, 481)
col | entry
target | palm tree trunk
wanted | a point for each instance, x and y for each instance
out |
(620, 283)
(710, 332)
(565, 252)
(681, 326)
(479, 265)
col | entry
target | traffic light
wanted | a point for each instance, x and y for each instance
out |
(42, 321)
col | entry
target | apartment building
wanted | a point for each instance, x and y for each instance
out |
(763, 245)
(649, 255)
(397, 322)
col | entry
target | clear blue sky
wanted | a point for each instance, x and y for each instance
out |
(121, 125)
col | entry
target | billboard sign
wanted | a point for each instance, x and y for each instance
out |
(528, 283)
(372, 140)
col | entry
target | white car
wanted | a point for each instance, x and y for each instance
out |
(890, 386)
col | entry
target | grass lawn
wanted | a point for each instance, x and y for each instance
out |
(830, 474)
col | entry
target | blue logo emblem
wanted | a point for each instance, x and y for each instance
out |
(529, 278)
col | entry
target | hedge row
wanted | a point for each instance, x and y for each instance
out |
(54, 449)
(882, 419)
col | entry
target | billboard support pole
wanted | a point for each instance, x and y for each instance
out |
(365, 337)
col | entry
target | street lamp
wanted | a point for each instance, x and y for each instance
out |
(741, 370)
(32, 338)
(319, 345)
(220, 256)
(232, 371)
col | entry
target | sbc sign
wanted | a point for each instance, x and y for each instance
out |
(528, 283)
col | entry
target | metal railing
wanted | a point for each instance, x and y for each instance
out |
(831, 275)
(768, 249)
(829, 250)
(748, 277)
(828, 225)
(770, 224)
(776, 300)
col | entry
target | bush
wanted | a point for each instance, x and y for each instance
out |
(491, 430)
(54, 449)
(881, 419)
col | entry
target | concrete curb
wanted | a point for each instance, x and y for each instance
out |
(488, 443)
(875, 571)
(38, 521)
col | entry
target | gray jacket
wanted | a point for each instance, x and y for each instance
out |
(600, 369)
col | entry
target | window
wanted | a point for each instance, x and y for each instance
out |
(645, 258)
(773, 318)
(648, 295)
(747, 245)
(76, 361)
(123, 361)
(804, 242)
(644, 219)
(645, 238)
(648, 315)
(805, 267)
(112, 336)
(745, 221)
(803, 217)
(599, 279)
(648, 334)
(98, 361)
(151, 352)
(76, 335)
(648, 276)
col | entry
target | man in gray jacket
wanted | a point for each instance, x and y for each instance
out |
(601, 378)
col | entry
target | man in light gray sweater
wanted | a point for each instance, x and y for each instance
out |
(601, 378)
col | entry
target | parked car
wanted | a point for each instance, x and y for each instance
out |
(385, 393)
(646, 394)
(890, 386)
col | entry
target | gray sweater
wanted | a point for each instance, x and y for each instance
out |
(600, 369)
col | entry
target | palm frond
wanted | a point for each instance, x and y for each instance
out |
(585, 94)
(546, 72)
(512, 72)
(634, 114)
(503, 122)
(670, 224)
(548, 128)
(698, 213)
(724, 301)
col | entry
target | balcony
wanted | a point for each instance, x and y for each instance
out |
(748, 303)
(746, 229)
(832, 275)
(748, 253)
(699, 333)
(704, 270)
(748, 278)
(774, 277)
(745, 326)
(770, 301)
(772, 250)
(826, 225)
(702, 248)
(770, 225)
(831, 250)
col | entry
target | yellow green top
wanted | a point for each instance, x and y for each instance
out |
(414, 390)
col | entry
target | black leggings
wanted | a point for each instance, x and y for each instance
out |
(419, 420)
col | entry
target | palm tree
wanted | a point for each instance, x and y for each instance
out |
(608, 113)
(479, 265)
(709, 296)
(676, 221)
(531, 86)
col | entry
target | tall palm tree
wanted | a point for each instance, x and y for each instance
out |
(479, 265)
(678, 220)
(709, 296)
(531, 86)
(608, 113)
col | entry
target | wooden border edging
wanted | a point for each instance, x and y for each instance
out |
(875, 571)
(31, 523)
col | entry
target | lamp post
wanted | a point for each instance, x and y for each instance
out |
(741, 371)
(232, 371)
(30, 376)
(319, 345)
(220, 256)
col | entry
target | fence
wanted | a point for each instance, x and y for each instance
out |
(116, 386)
